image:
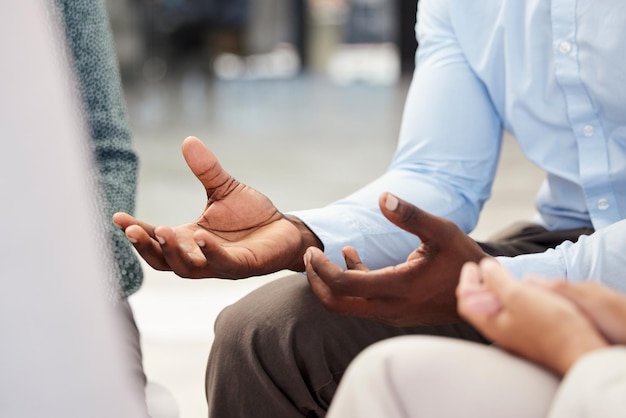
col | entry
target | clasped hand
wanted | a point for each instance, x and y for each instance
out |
(551, 322)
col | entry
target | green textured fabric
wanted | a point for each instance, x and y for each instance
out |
(90, 46)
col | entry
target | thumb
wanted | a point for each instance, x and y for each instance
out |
(204, 164)
(412, 219)
(497, 278)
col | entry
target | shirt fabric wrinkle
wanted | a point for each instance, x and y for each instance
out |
(531, 67)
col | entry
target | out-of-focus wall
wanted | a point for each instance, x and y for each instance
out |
(234, 39)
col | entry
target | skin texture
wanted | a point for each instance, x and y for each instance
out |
(606, 308)
(238, 234)
(524, 318)
(420, 291)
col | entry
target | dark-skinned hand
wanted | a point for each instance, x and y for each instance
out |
(420, 291)
(239, 234)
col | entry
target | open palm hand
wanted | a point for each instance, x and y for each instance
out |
(239, 234)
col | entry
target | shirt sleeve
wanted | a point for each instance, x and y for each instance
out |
(599, 256)
(445, 160)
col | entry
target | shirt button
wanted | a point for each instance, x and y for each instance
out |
(588, 130)
(603, 204)
(565, 47)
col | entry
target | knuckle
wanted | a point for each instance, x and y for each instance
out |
(449, 229)
(560, 286)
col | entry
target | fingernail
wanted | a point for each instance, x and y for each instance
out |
(200, 243)
(391, 203)
(307, 258)
(160, 239)
(132, 240)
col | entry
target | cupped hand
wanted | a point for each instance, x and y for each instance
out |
(239, 234)
(528, 320)
(420, 291)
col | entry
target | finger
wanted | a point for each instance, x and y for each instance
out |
(472, 296)
(580, 293)
(480, 304)
(386, 282)
(184, 258)
(344, 305)
(319, 286)
(147, 247)
(335, 303)
(497, 279)
(321, 269)
(223, 265)
(204, 165)
(353, 260)
(124, 221)
(594, 299)
(470, 280)
(538, 281)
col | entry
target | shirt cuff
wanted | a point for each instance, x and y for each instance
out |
(334, 235)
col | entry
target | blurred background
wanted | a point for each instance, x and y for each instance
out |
(301, 99)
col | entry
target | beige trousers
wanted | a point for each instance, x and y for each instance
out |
(422, 376)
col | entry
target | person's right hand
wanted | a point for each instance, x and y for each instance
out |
(239, 234)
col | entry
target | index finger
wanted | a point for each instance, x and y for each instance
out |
(124, 221)
(388, 281)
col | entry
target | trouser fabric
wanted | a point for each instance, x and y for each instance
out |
(420, 377)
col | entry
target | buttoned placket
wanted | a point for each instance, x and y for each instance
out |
(590, 138)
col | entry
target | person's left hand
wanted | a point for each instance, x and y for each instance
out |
(419, 291)
(524, 318)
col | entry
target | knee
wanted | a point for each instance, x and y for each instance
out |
(394, 356)
(369, 365)
(236, 325)
(273, 310)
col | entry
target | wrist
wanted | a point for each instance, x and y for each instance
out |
(307, 239)
(576, 349)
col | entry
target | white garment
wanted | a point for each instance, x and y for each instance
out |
(61, 354)
(428, 377)
(594, 387)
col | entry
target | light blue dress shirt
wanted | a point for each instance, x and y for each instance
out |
(551, 72)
